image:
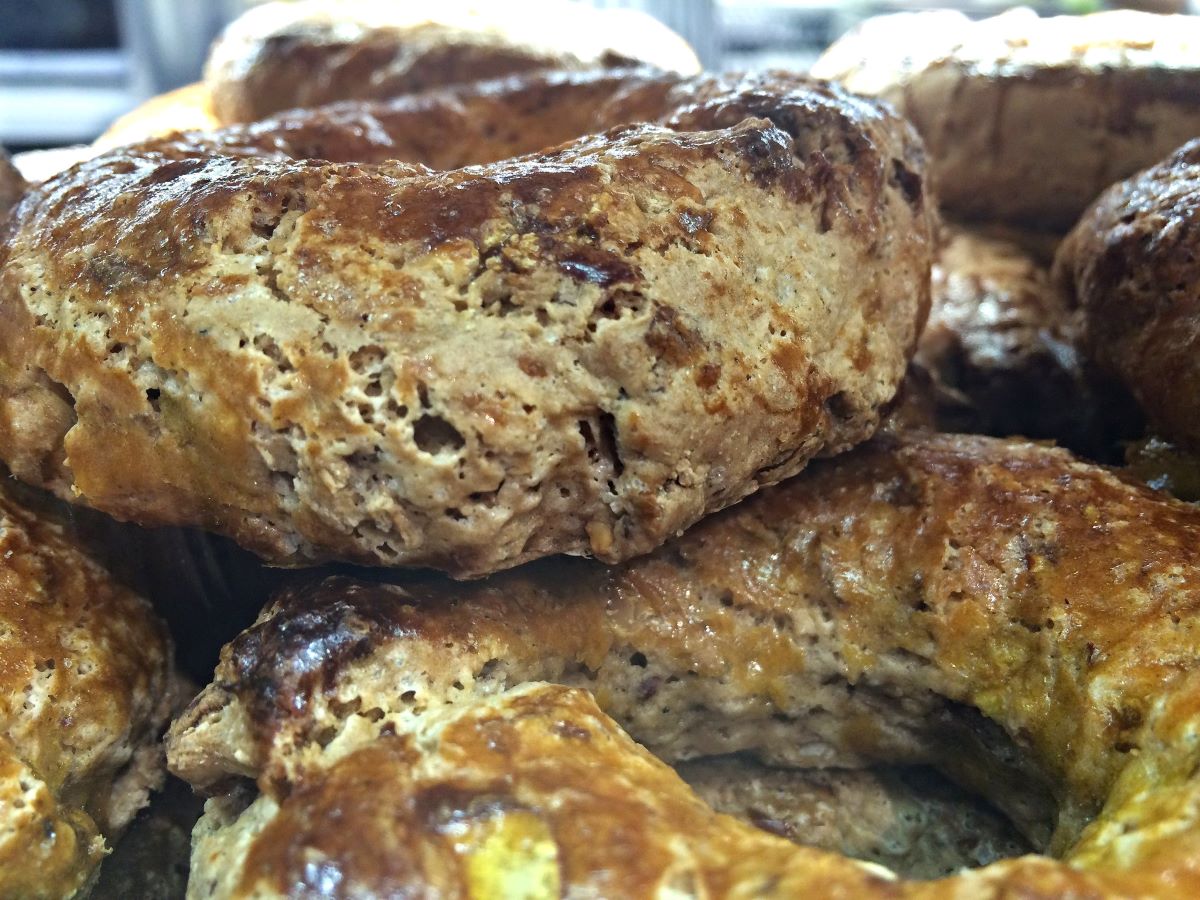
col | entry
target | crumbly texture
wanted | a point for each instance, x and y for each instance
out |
(85, 690)
(1027, 119)
(1132, 268)
(310, 53)
(581, 352)
(1002, 346)
(911, 821)
(1022, 621)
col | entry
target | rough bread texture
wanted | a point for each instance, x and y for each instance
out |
(1027, 119)
(912, 821)
(279, 56)
(1023, 621)
(1002, 345)
(85, 690)
(1132, 266)
(582, 351)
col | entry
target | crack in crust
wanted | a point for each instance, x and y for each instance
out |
(325, 353)
(1023, 621)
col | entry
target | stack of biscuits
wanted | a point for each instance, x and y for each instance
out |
(574, 474)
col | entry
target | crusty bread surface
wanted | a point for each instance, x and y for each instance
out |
(325, 353)
(1019, 619)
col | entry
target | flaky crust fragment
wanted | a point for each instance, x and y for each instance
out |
(1027, 119)
(582, 351)
(85, 688)
(310, 53)
(1132, 266)
(1023, 621)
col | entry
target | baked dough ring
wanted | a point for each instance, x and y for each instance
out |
(1133, 268)
(1002, 345)
(1023, 621)
(1026, 119)
(85, 689)
(310, 53)
(583, 351)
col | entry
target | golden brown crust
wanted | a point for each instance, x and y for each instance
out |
(85, 687)
(1002, 348)
(1027, 119)
(581, 352)
(534, 793)
(1020, 619)
(287, 55)
(1132, 266)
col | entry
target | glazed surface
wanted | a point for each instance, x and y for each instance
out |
(1021, 620)
(1003, 348)
(325, 353)
(12, 185)
(303, 54)
(1131, 267)
(85, 689)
